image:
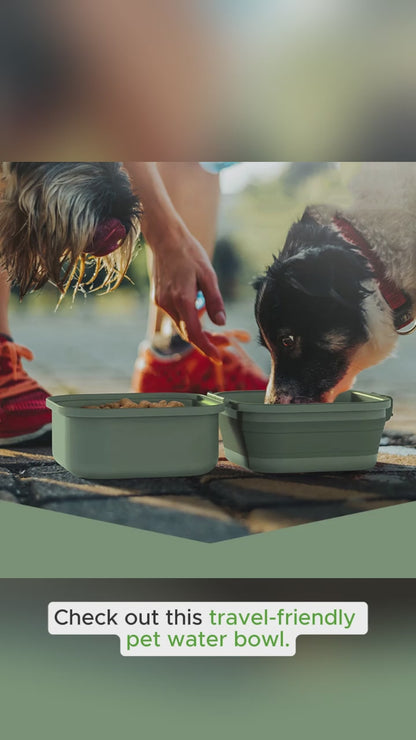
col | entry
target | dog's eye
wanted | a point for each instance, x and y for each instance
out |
(288, 341)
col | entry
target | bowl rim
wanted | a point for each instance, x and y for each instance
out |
(73, 405)
(369, 402)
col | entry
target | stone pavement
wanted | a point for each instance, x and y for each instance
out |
(227, 502)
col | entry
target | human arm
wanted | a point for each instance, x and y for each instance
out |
(181, 266)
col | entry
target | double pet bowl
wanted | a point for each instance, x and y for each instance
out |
(157, 442)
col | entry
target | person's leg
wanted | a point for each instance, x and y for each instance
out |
(4, 303)
(23, 412)
(165, 362)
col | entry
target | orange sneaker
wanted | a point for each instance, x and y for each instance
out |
(23, 412)
(193, 372)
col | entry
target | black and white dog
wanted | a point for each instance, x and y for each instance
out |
(334, 300)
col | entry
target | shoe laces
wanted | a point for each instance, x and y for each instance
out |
(13, 378)
(231, 339)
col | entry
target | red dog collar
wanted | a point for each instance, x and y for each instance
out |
(398, 301)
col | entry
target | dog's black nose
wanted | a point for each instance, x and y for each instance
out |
(284, 397)
(274, 396)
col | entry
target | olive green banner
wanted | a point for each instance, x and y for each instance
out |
(355, 686)
(45, 544)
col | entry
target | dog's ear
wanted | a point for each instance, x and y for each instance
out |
(258, 282)
(330, 272)
(307, 219)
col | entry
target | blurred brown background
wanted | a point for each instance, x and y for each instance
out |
(212, 79)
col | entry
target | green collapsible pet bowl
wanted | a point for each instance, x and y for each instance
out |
(303, 438)
(135, 443)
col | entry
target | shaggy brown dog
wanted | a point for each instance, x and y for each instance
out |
(56, 216)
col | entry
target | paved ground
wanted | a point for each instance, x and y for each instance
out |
(228, 502)
(86, 350)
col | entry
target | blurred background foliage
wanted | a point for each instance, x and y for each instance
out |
(257, 219)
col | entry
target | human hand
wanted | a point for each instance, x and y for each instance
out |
(180, 269)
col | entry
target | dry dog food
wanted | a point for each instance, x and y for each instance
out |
(127, 403)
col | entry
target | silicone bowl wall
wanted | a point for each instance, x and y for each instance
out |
(135, 443)
(303, 438)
